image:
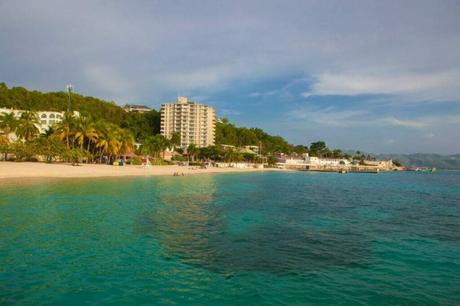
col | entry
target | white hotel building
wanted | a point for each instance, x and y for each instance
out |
(194, 122)
(47, 118)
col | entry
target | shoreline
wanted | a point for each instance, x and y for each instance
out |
(33, 170)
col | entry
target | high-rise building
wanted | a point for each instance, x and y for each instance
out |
(194, 122)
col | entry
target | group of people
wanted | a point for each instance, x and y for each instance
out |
(177, 174)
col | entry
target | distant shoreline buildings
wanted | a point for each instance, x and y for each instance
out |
(314, 163)
(193, 121)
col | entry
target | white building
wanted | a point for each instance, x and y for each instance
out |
(137, 108)
(386, 164)
(47, 118)
(306, 160)
(194, 122)
(318, 161)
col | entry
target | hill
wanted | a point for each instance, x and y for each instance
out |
(451, 162)
(21, 98)
(141, 124)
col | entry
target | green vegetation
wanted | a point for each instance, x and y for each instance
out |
(229, 134)
(141, 125)
(105, 131)
(74, 139)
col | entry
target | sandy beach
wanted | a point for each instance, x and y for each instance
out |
(42, 170)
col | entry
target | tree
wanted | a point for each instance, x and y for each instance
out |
(27, 126)
(192, 151)
(8, 124)
(66, 128)
(85, 131)
(318, 148)
(50, 147)
(127, 141)
(153, 145)
(109, 140)
(271, 160)
(337, 153)
(175, 140)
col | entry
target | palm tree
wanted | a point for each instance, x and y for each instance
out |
(85, 131)
(162, 144)
(192, 151)
(8, 124)
(27, 126)
(103, 145)
(175, 140)
(153, 145)
(127, 142)
(103, 140)
(108, 141)
(65, 128)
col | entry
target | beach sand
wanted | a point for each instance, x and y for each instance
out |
(9, 170)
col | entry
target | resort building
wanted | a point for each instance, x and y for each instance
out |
(194, 122)
(47, 118)
(306, 160)
(379, 163)
(137, 108)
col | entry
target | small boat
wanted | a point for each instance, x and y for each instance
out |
(424, 169)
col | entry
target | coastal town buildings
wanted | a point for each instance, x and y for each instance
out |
(194, 122)
(47, 118)
(305, 159)
(314, 163)
(137, 108)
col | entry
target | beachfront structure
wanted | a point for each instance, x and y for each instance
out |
(243, 149)
(318, 161)
(137, 108)
(306, 160)
(314, 163)
(47, 118)
(194, 122)
(388, 164)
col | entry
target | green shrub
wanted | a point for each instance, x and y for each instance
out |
(136, 160)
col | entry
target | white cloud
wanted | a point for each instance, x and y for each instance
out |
(263, 94)
(332, 117)
(417, 124)
(441, 86)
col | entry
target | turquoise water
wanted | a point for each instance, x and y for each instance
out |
(235, 239)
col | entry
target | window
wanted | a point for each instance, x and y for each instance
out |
(52, 116)
(43, 116)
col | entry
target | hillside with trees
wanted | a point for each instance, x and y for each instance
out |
(141, 125)
(105, 130)
(451, 162)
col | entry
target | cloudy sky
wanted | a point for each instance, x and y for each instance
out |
(379, 76)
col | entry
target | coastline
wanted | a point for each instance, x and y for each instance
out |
(23, 170)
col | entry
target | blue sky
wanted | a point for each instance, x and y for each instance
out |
(379, 76)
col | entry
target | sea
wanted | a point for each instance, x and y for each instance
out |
(270, 238)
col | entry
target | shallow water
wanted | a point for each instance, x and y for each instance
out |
(251, 239)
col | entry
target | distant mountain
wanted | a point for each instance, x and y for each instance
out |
(451, 162)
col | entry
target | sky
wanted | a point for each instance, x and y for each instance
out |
(375, 76)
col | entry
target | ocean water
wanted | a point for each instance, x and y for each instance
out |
(271, 238)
